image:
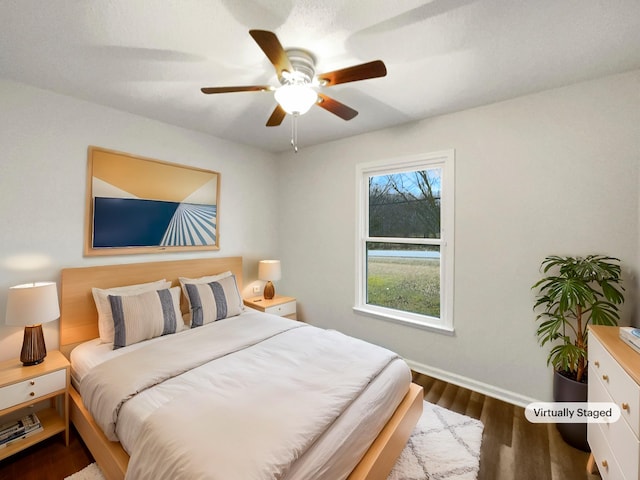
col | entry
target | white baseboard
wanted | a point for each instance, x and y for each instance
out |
(469, 383)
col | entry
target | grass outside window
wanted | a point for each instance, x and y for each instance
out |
(406, 284)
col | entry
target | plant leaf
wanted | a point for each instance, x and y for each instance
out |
(585, 289)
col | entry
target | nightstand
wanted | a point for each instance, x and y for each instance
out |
(42, 389)
(278, 305)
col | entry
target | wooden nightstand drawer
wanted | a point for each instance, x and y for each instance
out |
(279, 305)
(282, 309)
(620, 386)
(32, 389)
(45, 384)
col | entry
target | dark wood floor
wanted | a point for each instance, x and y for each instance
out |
(48, 460)
(512, 448)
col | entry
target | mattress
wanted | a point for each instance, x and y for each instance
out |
(333, 455)
(94, 352)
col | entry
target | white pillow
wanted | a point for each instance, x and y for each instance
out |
(100, 297)
(144, 316)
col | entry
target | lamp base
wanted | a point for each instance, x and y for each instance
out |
(33, 348)
(269, 291)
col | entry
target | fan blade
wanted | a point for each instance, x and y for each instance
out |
(353, 74)
(276, 117)
(335, 107)
(272, 48)
(251, 88)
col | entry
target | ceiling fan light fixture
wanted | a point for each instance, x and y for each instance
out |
(296, 98)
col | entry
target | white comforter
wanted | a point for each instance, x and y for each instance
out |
(266, 389)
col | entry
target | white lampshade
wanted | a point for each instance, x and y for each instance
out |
(32, 304)
(269, 270)
(296, 98)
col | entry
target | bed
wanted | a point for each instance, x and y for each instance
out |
(364, 456)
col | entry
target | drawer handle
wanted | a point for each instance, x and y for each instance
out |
(605, 464)
(597, 363)
(32, 394)
(32, 382)
(625, 406)
(605, 378)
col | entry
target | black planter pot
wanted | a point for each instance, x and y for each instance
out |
(567, 390)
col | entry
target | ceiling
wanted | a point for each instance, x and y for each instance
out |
(152, 57)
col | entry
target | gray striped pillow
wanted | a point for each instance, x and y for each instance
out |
(101, 298)
(213, 301)
(144, 316)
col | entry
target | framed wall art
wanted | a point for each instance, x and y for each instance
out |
(142, 205)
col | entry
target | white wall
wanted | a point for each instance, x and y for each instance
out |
(43, 158)
(551, 173)
(555, 172)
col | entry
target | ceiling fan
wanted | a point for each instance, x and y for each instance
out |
(299, 82)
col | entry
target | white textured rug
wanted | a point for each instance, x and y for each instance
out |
(444, 446)
(91, 472)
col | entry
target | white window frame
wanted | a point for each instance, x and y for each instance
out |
(445, 160)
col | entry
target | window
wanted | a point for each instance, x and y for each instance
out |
(405, 240)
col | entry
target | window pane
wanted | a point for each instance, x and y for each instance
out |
(404, 277)
(405, 205)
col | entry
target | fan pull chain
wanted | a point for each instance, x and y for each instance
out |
(294, 132)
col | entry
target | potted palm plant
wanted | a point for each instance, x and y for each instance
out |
(575, 292)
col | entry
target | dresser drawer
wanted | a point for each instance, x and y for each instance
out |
(283, 309)
(32, 389)
(623, 443)
(620, 386)
(606, 462)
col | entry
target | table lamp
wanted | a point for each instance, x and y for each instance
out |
(31, 305)
(269, 270)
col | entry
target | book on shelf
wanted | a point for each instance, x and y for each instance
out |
(20, 436)
(28, 421)
(631, 336)
(19, 429)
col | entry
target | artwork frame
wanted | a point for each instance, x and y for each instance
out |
(137, 205)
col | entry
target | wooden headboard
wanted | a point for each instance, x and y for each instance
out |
(78, 314)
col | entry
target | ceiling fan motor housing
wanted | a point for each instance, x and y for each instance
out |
(304, 67)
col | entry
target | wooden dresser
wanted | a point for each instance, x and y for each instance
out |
(614, 376)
